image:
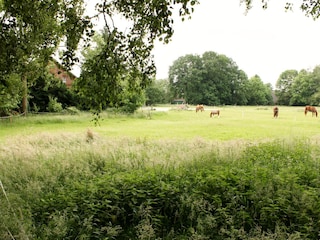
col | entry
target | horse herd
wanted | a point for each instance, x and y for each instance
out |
(306, 110)
(275, 111)
(212, 113)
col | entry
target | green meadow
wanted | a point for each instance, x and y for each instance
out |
(234, 123)
(173, 174)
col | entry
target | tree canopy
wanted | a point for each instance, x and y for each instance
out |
(299, 88)
(211, 79)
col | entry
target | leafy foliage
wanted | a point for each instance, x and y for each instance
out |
(210, 79)
(258, 93)
(158, 92)
(124, 58)
(299, 88)
(283, 86)
(268, 191)
(110, 73)
(309, 7)
(47, 86)
(10, 93)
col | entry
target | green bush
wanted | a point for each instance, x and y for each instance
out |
(54, 105)
(72, 110)
(270, 191)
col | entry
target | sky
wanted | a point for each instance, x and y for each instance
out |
(261, 42)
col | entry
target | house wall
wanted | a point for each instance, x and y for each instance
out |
(65, 76)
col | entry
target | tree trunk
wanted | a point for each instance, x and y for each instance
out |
(25, 95)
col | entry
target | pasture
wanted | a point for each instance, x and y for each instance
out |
(234, 123)
(161, 174)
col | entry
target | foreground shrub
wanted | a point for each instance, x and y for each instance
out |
(270, 191)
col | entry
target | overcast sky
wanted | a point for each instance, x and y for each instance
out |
(262, 42)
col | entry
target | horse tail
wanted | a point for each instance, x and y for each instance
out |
(211, 114)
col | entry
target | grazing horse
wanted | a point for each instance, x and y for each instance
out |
(310, 109)
(275, 112)
(199, 108)
(215, 112)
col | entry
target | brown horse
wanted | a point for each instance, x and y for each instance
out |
(310, 109)
(215, 112)
(275, 112)
(199, 108)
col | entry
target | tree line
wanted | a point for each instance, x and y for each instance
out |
(215, 79)
(299, 87)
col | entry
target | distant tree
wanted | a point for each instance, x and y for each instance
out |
(300, 89)
(210, 79)
(164, 85)
(258, 93)
(269, 93)
(130, 101)
(306, 88)
(157, 92)
(223, 82)
(315, 97)
(284, 86)
(239, 89)
(185, 76)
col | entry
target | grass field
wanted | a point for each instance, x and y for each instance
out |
(173, 174)
(234, 123)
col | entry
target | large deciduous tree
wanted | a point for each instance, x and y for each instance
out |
(185, 78)
(306, 88)
(258, 93)
(284, 86)
(222, 79)
(210, 79)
